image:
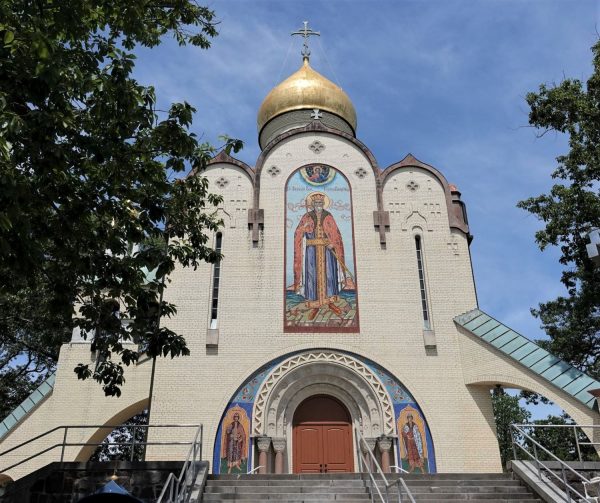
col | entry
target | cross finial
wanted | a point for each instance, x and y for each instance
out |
(306, 32)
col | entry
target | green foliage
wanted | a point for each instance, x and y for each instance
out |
(507, 411)
(29, 343)
(570, 211)
(88, 166)
(114, 447)
(560, 441)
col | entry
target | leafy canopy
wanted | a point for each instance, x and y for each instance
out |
(570, 211)
(507, 411)
(90, 169)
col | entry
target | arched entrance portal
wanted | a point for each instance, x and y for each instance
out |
(322, 437)
(291, 391)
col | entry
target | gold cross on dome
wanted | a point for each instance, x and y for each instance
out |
(306, 32)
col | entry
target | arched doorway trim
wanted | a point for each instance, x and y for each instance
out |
(359, 372)
(356, 404)
(322, 436)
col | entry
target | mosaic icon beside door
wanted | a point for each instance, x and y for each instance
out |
(320, 273)
(413, 442)
(235, 441)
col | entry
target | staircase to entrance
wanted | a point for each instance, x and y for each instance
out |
(355, 487)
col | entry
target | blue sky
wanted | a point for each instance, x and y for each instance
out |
(442, 79)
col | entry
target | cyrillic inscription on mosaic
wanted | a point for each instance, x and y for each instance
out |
(320, 274)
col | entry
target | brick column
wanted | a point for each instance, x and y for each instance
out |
(385, 444)
(279, 446)
(263, 444)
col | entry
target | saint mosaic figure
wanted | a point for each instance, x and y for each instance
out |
(413, 444)
(319, 268)
(321, 290)
(234, 446)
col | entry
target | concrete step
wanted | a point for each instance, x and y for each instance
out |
(278, 496)
(471, 496)
(466, 489)
(287, 482)
(286, 489)
(449, 476)
(338, 476)
(288, 476)
(462, 483)
(341, 499)
(359, 483)
(354, 488)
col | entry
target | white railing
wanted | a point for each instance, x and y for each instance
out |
(365, 465)
(179, 489)
(523, 442)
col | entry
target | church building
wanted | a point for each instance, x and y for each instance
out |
(344, 307)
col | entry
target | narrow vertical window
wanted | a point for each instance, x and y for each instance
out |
(214, 308)
(422, 286)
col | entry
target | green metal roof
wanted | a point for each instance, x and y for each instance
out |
(37, 396)
(538, 360)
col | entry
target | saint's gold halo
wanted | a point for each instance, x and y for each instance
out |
(326, 201)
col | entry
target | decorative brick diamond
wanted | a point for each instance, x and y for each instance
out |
(222, 182)
(361, 172)
(412, 185)
(273, 171)
(317, 147)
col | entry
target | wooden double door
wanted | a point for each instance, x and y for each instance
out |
(322, 437)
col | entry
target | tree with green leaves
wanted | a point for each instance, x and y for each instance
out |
(89, 169)
(561, 442)
(507, 411)
(125, 443)
(28, 344)
(570, 211)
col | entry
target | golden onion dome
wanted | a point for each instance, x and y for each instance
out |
(306, 89)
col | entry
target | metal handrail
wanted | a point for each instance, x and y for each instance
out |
(64, 444)
(179, 489)
(540, 464)
(573, 427)
(364, 464)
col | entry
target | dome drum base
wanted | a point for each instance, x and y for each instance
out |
(305, 90)
(296, 119)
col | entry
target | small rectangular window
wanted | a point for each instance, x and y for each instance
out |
(422, 285)
(214, 308)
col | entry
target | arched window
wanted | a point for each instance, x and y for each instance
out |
(422, 284)
(214, 306)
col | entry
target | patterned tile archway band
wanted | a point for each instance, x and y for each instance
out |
(268, 399)
(378, 403)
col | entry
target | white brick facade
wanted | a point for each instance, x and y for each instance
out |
(450, 382)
